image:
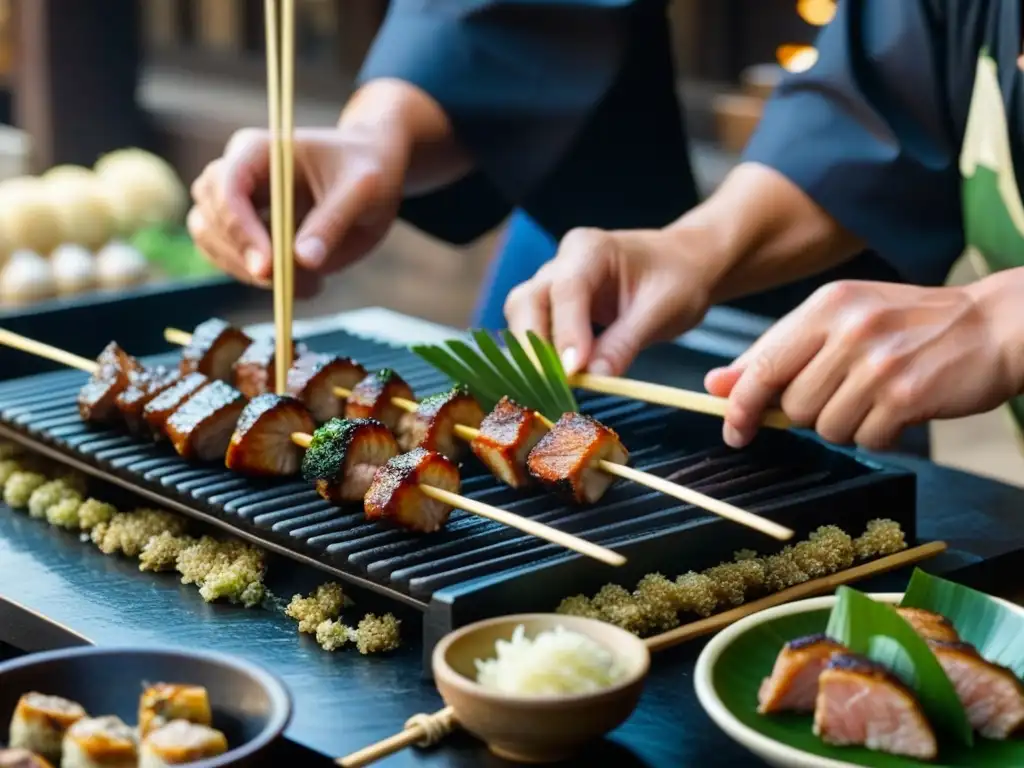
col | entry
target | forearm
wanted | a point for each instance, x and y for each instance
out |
(762, 232)
(413, 124)
(997, 297)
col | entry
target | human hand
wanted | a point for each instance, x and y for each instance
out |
(348, 189)
(642, 286)
(861, 361)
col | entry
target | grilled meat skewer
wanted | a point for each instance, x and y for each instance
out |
(160, 408)
(344, 455)
(374, 396)
(213, 349)
(570, 458)
(113, 373)
(401, 490)
(253, 372)
(434, 423)
(202, 426)
(315, 380)
(141, 392)
(261, 443)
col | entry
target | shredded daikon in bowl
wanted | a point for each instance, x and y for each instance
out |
(556, 662)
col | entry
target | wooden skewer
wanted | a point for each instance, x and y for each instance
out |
(39, 349)
(532, 527)
(443, 722)
(688, 495)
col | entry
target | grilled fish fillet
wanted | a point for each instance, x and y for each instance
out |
(861, 703)
(793, 683)
(146, 386)
(22, 758)
(432, 424)
(566, 458)
(992, 695)
(261, 444)
(214, 349)
(395, 492)
(116, 369)
(160, 408)
(507, 435)
(163, 702)
(253, 372)
(344, 456)
(313, 378)
(929, 625)
(371, 398)
(201, 427)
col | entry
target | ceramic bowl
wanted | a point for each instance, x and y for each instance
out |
(768, 749)
(251, 706)
(536, 729)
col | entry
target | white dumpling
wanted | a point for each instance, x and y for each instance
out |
(119, 265)
(142, 189)
(28, 218)
(26, 277)
(85, 213)
(74, 268)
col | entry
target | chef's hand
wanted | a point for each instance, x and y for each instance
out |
(349, 182)
(642, 286)
(861, 361)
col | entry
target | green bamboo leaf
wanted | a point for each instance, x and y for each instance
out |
(524, 394)
(487, 377)
(546, 405)
(554, 372)
(996, 631)
(453, 368)
(875, 630)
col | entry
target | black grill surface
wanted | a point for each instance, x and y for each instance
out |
(475, 568)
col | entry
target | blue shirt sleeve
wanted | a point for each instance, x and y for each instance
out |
(561, 103)
(867, 134)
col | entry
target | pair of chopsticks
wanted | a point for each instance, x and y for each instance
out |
(280, 28)
(425, 730)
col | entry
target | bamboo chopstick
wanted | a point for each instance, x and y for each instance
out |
(426, 730)
(532, 527)
(687, 495)
(659, 394)
(280, 103)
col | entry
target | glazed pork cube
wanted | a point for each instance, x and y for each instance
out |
(201, 427)
(344, 456)
(395, 493)
(159, 409)
(793, 683)
(507, 435)
(372, 398)
(100, 742)
(566, 459)
(262, 441)
(97, 400)
(40, 722)
(146, 386)
(313, 379)
(861, 703)
(433, 424)
(253, 372)
(163, 702)
(992, 695)
(215, 347)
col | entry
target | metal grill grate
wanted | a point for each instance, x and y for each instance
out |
(474, 567)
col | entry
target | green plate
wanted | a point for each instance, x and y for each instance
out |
(733, 664)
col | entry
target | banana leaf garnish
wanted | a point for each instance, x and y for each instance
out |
(490, 372)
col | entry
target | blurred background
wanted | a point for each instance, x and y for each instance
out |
(86, 84)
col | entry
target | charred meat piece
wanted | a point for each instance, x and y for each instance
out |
(116, 370)
(507, 435)
(253, 372)
(313, 379)
(432, 425)
(159, 409)
(395, 493)
(991, 694)
(146, 386)
(344, 456)
(862, 703)
(371, 398)
(793, 683)
(201, 427)
(930, 626)
(215, 347)
(566, 458)
(262, 444)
